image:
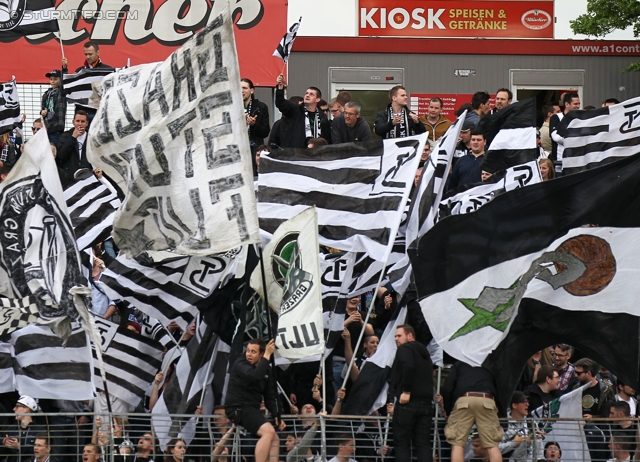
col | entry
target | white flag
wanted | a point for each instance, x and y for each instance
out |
(300, 325)
(172, 135)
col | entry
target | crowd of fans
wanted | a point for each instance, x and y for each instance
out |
(308, 122)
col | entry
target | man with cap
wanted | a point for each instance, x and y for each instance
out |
(18, 443)
(464, 144)
(516, 440)
(53, 108)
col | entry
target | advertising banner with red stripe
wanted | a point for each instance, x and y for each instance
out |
(471, 18)
(144, 31)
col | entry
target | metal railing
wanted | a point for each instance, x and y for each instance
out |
(120, 437)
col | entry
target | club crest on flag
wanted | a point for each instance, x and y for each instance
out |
(631, 125)
(37, 236)
(282, 255)
(583, 265)
(298, 282)
(200, 276)
(11, 13)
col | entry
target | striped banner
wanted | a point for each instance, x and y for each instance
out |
(359, 190)
(10, 116)
(7, 376)
(46, 369)
(469, 199)
(168, 290)
(78, 87)
(35, 17)
(92, 204)
(600, 136)
(510, 135)
(184, 388)
(131, 362)
(18, 313)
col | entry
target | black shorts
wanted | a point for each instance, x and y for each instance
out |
(251, 418)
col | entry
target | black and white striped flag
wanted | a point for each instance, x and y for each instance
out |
(424, 204)
(131, 362)
(191, 378)
(369, 391)
(600, 136)
(78, 87)
(20, 18)
(92, 205)
(284, 47)
(10, 116)
(17, 313)
(168, 290)
(45, 369)
(360, 191)
(469, 199)
(510, 135)
(7, 376)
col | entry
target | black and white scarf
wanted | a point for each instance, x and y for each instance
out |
(311, 132)
(402, 129)
(247, 112)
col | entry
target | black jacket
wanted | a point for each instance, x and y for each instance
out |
(294, 115)
(68, 156)
(26, 437)
(537, 397)
(260, 130)
(341, 133)
(54, 101)
(383, 125)
(412, 372)
(248, 384)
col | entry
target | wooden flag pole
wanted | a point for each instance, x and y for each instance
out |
(269, 327)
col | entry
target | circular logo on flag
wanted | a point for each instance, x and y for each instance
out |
(282, 254)
(11, 13)
(600, 264)
(536, 19)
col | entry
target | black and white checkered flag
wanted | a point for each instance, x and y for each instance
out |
(284, 47)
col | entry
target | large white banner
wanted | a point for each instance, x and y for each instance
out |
(173, 136)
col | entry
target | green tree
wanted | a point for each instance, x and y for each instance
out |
(605, 16)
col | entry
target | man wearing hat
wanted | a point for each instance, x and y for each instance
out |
(517, 437)
(54, 106)
(18, 444)
(464, 144)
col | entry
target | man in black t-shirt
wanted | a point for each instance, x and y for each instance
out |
(597, 397)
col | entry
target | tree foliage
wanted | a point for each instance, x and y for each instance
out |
(605, 16)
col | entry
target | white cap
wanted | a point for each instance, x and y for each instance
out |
(29, 402)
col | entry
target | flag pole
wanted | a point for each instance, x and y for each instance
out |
(174, 351)
(392, 238)
(435, 423)
(366, 319)
(206, 379)
(269, 327)
(60, 40)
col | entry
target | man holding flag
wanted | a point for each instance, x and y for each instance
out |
(250, 381)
